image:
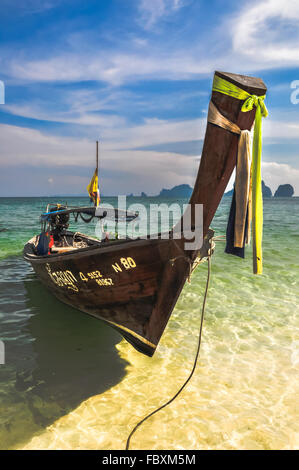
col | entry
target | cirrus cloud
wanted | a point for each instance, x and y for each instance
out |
(267, 33)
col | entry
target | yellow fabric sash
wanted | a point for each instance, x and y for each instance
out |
(223, 86)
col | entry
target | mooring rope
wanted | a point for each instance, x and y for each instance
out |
(195, 360)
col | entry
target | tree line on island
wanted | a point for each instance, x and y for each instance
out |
(185, 191)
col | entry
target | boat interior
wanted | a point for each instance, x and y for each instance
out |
(70, 242)
(62, 241)
(58, 239)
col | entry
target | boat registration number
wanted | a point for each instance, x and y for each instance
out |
(68, 279)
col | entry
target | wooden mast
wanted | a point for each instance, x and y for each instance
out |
(97, 169)
(97, 158)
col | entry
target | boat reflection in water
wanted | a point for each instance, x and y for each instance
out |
(58, 359)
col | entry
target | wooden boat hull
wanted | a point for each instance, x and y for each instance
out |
(118, 283)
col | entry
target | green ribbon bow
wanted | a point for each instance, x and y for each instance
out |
(251, 101)
(257, 101)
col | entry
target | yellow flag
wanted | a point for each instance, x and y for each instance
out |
(93, 189)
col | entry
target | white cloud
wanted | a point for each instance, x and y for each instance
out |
(114, 128)
(20, 145)
(114, 68)
(29, 7)
(145, 170)
(280, 129)
(262, 36)
(156, 131)
(153, 10)
(267, 33)
(114, 131)
(88, 107)
(28, 144)
(73, 115)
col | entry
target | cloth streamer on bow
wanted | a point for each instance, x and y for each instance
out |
(238, 229)
(223, 86)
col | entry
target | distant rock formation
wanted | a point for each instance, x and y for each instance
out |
(284, 190)
(180, 191)
(184, 191)
(266, 190)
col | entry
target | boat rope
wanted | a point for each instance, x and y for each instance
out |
(194, 363)
(193, 263)
(219, 238)
(173, 260)
(86, 220)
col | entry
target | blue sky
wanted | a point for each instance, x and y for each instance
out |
(137, 75)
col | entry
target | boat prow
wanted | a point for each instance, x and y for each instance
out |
(134, 284)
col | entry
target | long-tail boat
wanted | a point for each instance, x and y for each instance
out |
(133, 285)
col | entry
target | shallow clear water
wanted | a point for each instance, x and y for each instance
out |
(71, 382)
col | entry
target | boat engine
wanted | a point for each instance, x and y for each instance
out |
(59, 224)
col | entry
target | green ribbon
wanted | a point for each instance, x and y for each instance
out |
(251, 101)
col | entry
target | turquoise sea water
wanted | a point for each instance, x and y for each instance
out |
(70, 382)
